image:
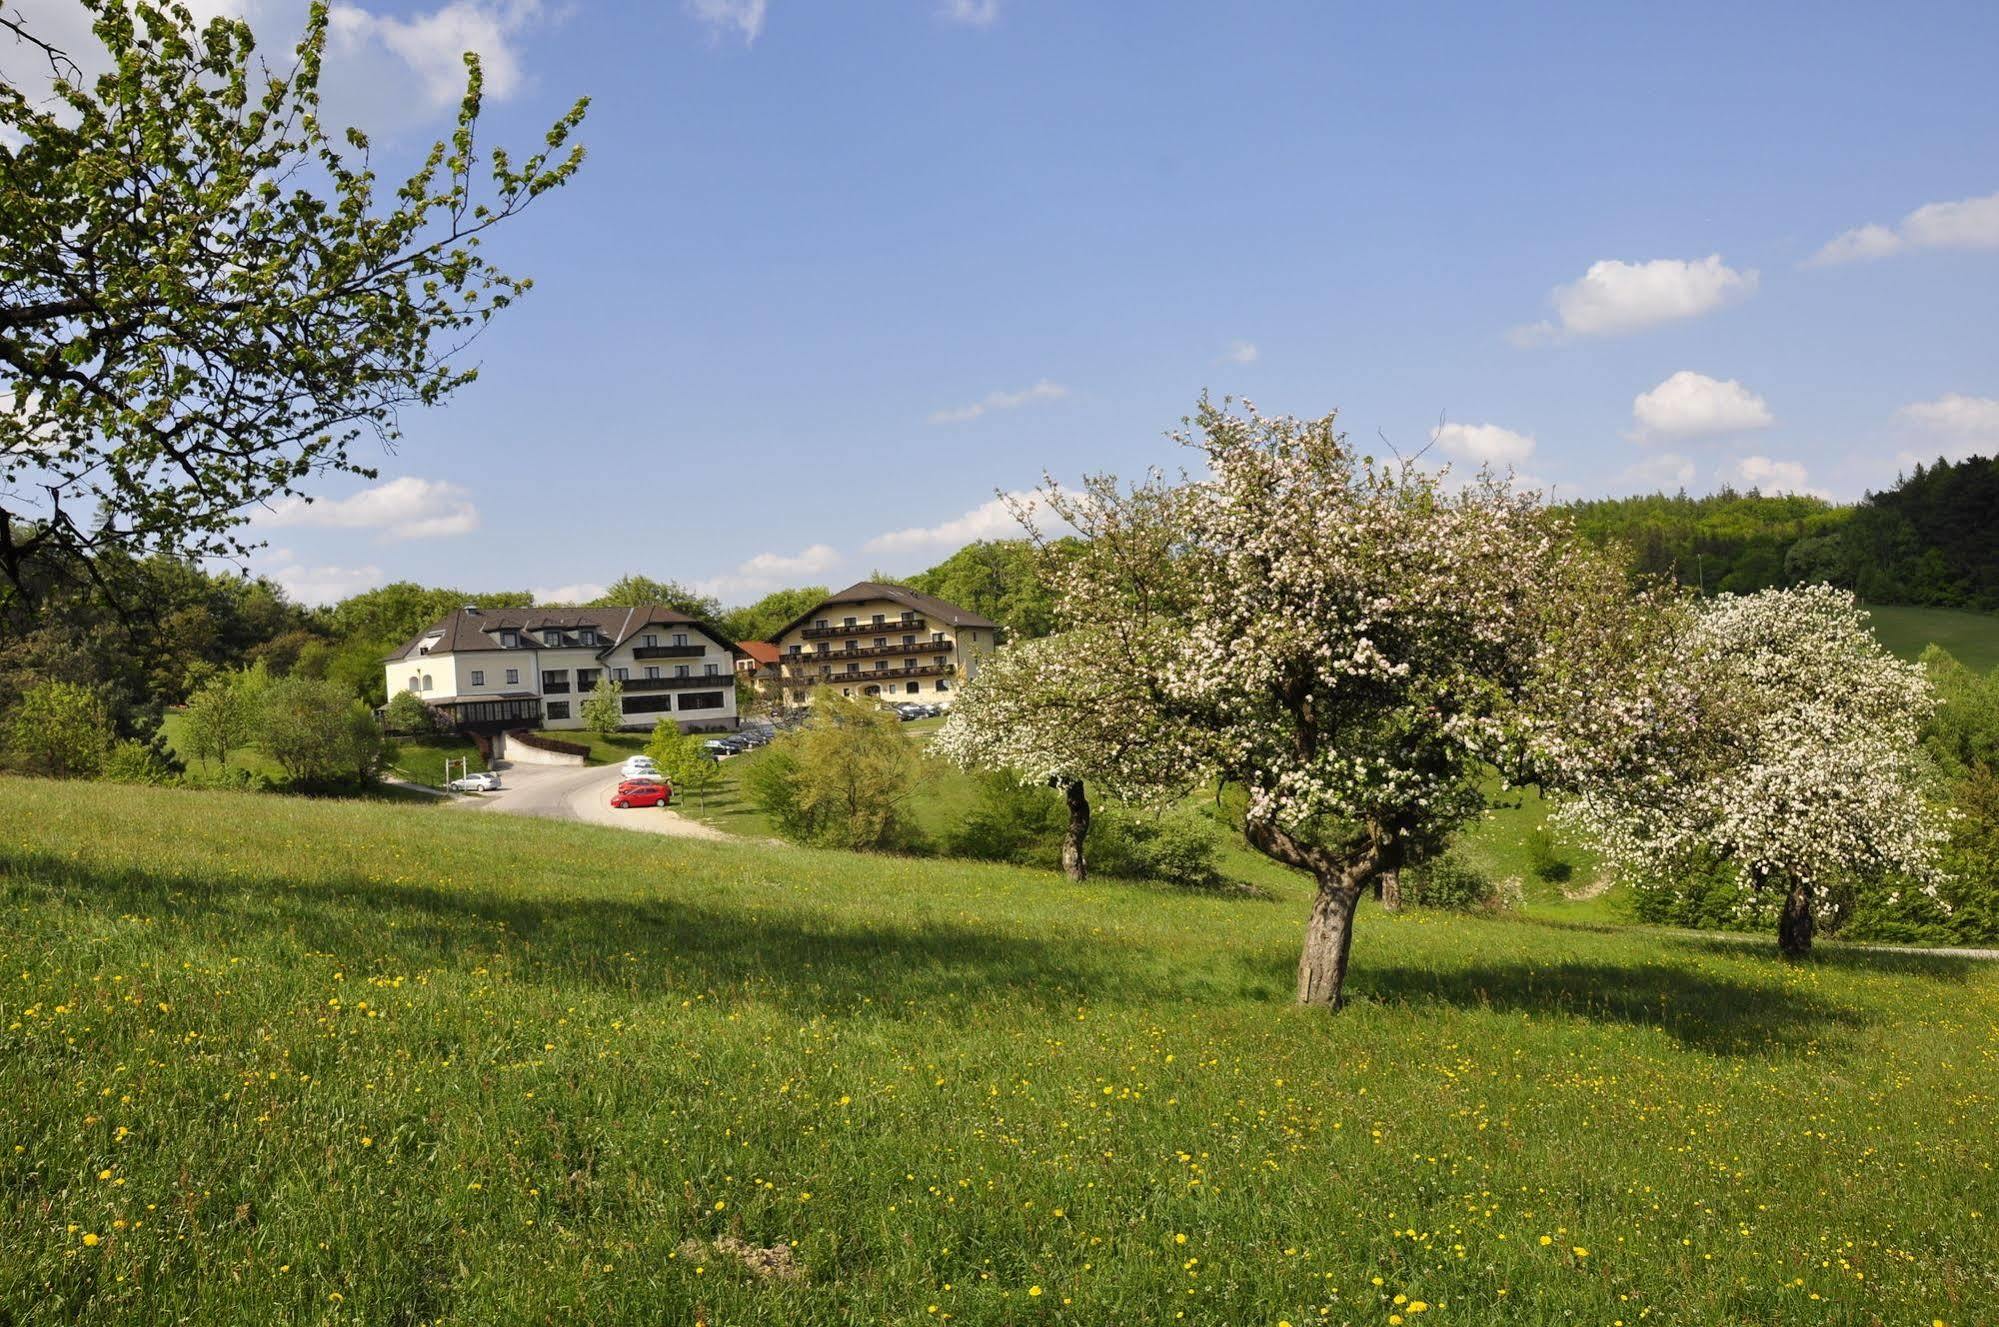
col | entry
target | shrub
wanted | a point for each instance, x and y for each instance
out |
(60, 729)
(1010, 822)
(406, 713)
(844, 782)
(1177, 847)
(1452, 884)
(318, 733)
(140, 762)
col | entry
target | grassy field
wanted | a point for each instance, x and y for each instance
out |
(271, 1060)
(1972, 637)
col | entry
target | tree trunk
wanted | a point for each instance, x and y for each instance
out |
(1322, 968)
(1794, 924)
(1073, 863)
(1390, 885)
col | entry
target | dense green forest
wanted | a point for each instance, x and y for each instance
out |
(1932, 540)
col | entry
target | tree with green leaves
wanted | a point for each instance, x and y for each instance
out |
(682, 759)
(317, 732)
(60, 729)
(391, 614)
(632, 590)
(770, 614)
(406, 713)
(1010, 581)
(844, 781)
(204, 299)
(603, 710)
(220, 717)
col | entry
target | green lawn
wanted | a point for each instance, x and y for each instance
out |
(1973, 638)
(266, 1059)
(417, 759)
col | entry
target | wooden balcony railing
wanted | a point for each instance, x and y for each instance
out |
(678, 683)
(668, 651)
(871, 675)
(869, 628)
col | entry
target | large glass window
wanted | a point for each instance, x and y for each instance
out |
(700, 700)
(558, 709)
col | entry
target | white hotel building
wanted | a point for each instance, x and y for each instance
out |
(499, 669)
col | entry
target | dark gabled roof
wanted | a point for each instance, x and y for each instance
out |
(861, 592)
(470, 631)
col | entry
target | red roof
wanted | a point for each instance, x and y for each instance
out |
(762, 651)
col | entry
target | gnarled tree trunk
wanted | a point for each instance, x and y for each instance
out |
(1074, 865)
(1795, 923)
(1322, 968)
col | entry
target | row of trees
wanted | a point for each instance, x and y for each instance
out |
(1356, 646)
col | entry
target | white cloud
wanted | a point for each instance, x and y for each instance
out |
(1956, 425)
(1693, 405)
(433, 44)
(743, 16)
(769, 571)
(405, 508)
(1484, 444)
(1241, 352)
(972, 13)
(988, 520)
(582, 592)
(1760, 472)
(1041, 391)
(1614, 297)
(1660, 470)
(325, 585)
(1968, 223)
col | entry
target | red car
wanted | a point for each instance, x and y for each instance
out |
(642, 792)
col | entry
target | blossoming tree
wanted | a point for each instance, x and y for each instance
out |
(1050, 712)
(1350, 640)
(1782, 739)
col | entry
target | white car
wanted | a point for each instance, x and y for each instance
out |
(639, 765)
(483, 782)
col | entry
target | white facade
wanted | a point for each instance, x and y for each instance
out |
(527, 668)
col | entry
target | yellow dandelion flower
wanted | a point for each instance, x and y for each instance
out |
(90, 1241)
(1034, 1291)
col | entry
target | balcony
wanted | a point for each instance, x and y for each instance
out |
(549, 688)
(804, 657)
(668, 651)
(873, 676)
(882, 628)
(634, 684)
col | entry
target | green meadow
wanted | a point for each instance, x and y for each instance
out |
(267, 1059)
(1973, 638)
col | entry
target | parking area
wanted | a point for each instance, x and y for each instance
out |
(567, 792)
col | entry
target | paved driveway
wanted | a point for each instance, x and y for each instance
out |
(569, 792)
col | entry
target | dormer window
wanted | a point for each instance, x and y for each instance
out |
(510, 640)
(551, 638)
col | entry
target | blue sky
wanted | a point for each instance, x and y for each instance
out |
(836, 272)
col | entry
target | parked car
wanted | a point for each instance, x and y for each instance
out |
(484, 782)
(641, 766)
(642, 792)
(908, 712)
(724, 746)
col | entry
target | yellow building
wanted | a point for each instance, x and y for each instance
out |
(885, 641)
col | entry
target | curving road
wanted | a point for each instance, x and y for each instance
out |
(570, 792)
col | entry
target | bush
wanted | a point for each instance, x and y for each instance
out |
(843, 782)
(1452, 884)
(141, 762)
(60, 729)
(1177, 847)
(406, 713)
(1011, 822)
(319, 734)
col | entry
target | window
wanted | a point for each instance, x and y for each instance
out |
(881, 642)
(478, 677)
(649, 641)
(557, 709)
(879, 619)
(871, 691)
(825, 645)
(586, 678)
(848, 622)
(942, 685)
(908, 616)
(551, 638)
(652, 670)
(936, 638)
(621, 674)
(911, 688)
(909, 663)
(556, 681)
(792, 649)
(680, 670)
(710, 670)
(416, 683)
(821, 624)
(648, 704)
(513, 677)
(909, 640)
(975, 638)
(880, 664)
(679, 638)
(700, 700)
(510, 640)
